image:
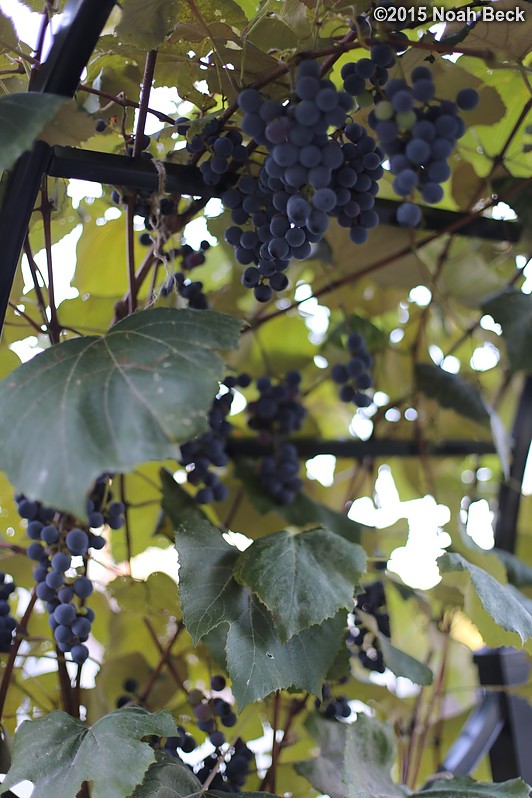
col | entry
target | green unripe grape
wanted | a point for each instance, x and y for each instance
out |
(406, 119)
(384, 111)
(365, 99)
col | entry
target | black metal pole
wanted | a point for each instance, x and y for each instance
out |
(500, 725)
(510, 490)
(81, 24)
(119, 170)
(357, 450)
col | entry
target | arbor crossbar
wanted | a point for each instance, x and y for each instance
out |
(140, 173)
(358, 450)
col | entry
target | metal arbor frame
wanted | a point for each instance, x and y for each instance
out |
(500, 724)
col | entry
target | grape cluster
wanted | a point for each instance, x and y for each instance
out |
(419, 136)
(144, 205)
(307, 177)
(224, 149)
(232, 775)
(331, 707)
(8, 624)
(354, 376)
(199, 455)
(182, 741)
(278, 412)
(360, 640)
(55, 540)
(363, 78)
(210, 712)
(191, 290)
(102, 509)
(226, 153)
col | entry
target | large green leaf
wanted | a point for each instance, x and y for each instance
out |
(146, 23)
(22, 117)
(325, 770)
(257, 660)
(168, 778)
(287, 570)
(465, 786)
(259, 663)
(513, 311)
(369, 758)
(496, 599)
(58, 753)
(452, 391)
(92, 405)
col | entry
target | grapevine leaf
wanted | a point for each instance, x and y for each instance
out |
(465, 786)
(168, 778)
(107, 404)
(22, 117)
(402, 664)
(369, 758)
(257, 661)
(496, 599)
(113, 742)
(69, 127)
(206, 559)
(146, 23)
(509, 38)
(451, 391)
(286, 570)
(513, 311)
(8, 35)
(324, 771)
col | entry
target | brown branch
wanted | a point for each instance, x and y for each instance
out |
(127, 520)
(130, 254)
(54, 328)
(122, 100)
(164, 660)
(235, 504)
(13, 651)
(34, 269)
(147, 80)
(14, 548)
(296, 706)
(275, 743)
(35, 325)
(65, 685)
(422, 737)
(414, 730)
